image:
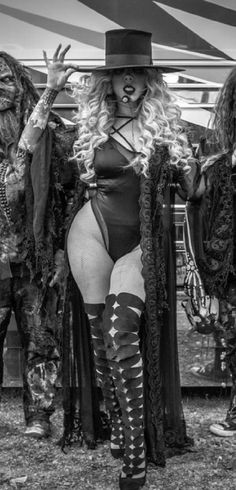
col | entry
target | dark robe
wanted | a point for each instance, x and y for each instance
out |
(211, 223)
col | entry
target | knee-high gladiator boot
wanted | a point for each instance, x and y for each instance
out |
(121, 322)
(104, 378)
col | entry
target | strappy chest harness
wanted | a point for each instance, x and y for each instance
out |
(118, 131)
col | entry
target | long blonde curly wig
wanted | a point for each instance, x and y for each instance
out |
(158, 118)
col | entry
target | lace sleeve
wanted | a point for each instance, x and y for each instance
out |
(37, 122)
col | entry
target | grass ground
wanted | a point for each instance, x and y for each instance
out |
(30, 464)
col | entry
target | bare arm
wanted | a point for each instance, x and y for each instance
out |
(58, 74)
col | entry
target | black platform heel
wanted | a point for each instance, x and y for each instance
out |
(130, 483)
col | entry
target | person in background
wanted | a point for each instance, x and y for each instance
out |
(211, 241)
(130, 148)
(32, 225)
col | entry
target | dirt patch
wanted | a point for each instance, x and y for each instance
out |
(29, 464)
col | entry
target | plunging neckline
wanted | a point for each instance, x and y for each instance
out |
(116, 143)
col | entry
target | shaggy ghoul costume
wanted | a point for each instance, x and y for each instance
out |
(165, 431)
(211, 252)
(32, 224)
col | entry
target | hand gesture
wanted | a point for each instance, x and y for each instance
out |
(58, 72)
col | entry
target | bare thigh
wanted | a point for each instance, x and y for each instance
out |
(90, 263)
(127, 276)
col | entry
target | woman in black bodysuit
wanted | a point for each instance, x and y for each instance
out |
(130, 148)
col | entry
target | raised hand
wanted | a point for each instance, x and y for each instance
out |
(58, 72)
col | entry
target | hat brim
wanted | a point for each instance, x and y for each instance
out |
(163, 69)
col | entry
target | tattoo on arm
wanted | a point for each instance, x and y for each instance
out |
(37, 121)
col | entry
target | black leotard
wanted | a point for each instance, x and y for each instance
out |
(116, 203)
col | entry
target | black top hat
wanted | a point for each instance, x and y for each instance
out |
(129, 48)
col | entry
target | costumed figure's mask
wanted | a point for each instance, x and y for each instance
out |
(7, 86)
(9, 126)
(9, 130)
